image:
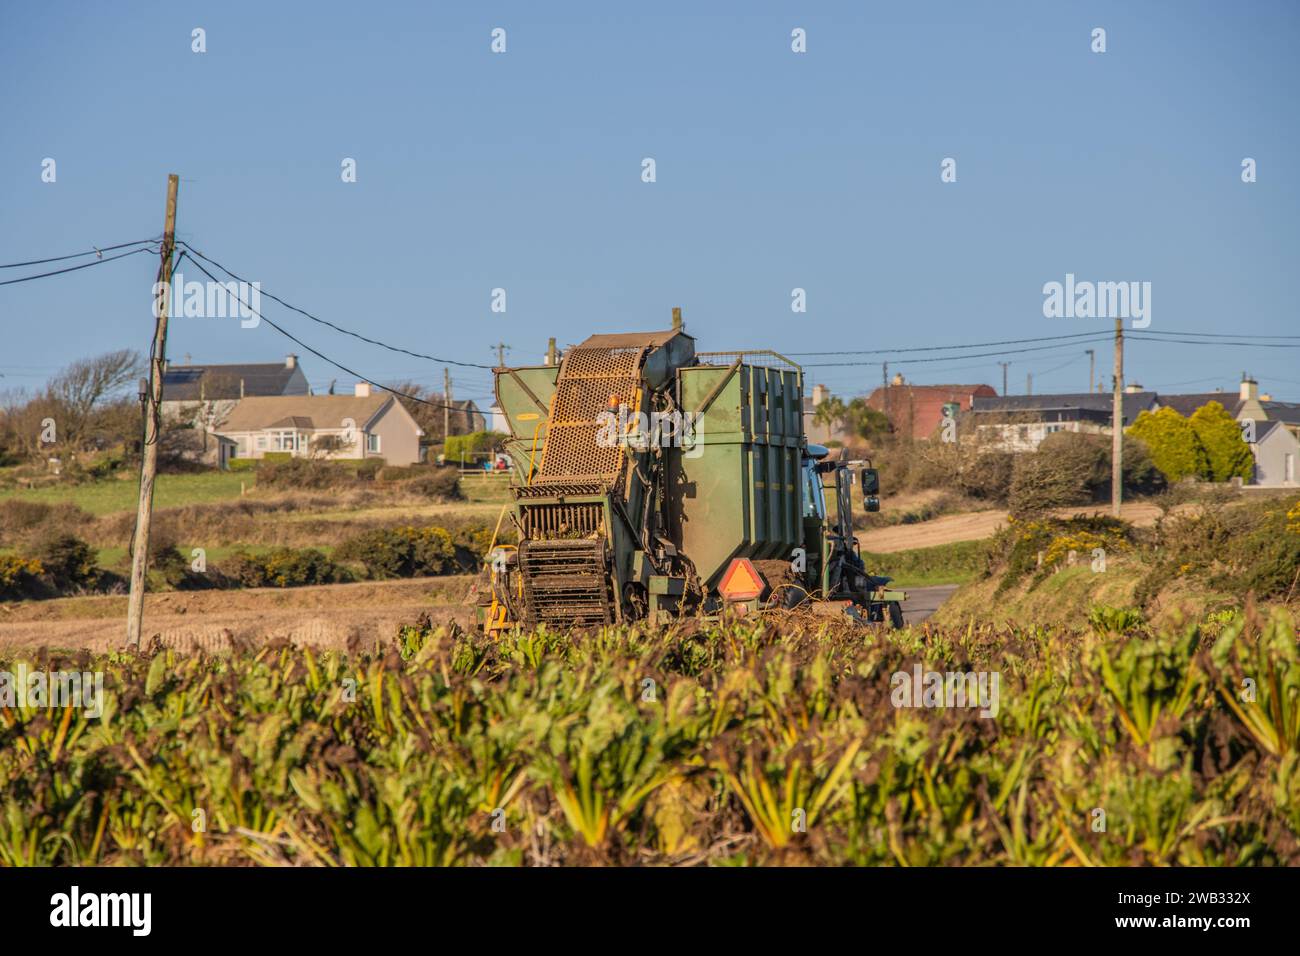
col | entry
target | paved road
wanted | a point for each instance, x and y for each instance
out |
(922, 602)
(974, 525)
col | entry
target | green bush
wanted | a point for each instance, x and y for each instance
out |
(22, 520)
(242, 464)
(19, 577)
(168, 561)
(1172, 443)
(1036, 548)
(284, 568)
(1227, 454)
(296, 474)
(1041, 481)
(68, 561)
(466, 446)
(988, 478)
(441, 483)
(406, 552)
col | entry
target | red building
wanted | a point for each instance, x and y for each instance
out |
(916, 410)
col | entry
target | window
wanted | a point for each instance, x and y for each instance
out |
(814, 503)
(284, 441)
(261, 443)
(372, 444)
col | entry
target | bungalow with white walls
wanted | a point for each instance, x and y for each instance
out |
(1277, 456)
(366, 424)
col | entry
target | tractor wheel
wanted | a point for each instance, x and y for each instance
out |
(895, 615)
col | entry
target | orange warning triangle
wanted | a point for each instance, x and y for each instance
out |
(742, 582)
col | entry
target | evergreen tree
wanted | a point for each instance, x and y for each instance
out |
(1227, 453)
(1174, 446)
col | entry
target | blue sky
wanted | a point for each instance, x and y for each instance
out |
(775, 170)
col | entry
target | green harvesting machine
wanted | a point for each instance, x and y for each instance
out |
(651, 481)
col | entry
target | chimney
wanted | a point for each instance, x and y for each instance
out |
(291, 361)
(677, 319)
(363, 390)
(898, 379)
(1265, 397)
(550, 351)
(1249, 388)
(819, 394)
(1132, 388)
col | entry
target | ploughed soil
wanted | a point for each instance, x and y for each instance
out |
(330, 616)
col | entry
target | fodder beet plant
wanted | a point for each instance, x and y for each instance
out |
(781, 741)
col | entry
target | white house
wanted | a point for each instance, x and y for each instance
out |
(363, 425)
(1276, 452)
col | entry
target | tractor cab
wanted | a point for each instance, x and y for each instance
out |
(843, 575)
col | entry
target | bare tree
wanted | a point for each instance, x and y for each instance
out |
(428, 417)
(81, 387)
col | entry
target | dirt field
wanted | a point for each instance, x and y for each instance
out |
(326, 616)
(975, 525)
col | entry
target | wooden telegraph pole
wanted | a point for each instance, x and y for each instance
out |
(1117, 425)
(1092, 367)
(152, 425)
(446, 407)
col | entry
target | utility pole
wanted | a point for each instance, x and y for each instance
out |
(152, 425)
(1029, 383)
(1092, 361)
(1117, 425)
(446, 406)
(1004, 378)
(884, 382)
(501, 354)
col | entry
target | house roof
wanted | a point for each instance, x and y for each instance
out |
(1264, 429)
(1134, 402)
(192, 383)
(293, 421)
(1185, 405)
(1288, 412)
(304, 411)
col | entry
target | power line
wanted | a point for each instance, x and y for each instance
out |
(1215, 335)
(337, 328)
(325, 358)
(84, 265)
(1061, 366)
(1216, 344)
(97, 251)
(941, 348)
(949, 358)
